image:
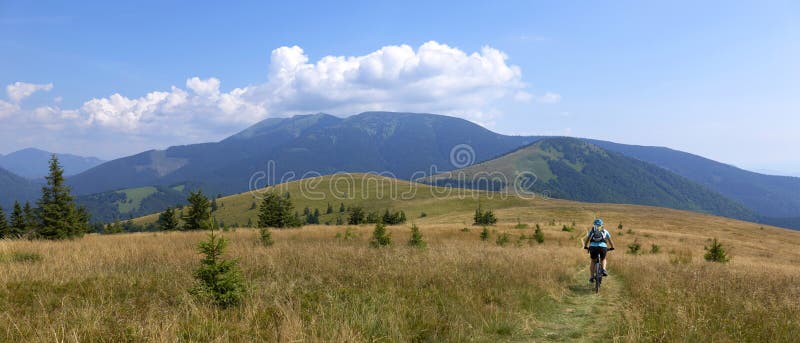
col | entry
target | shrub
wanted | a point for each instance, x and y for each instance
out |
(348, 234)
(465, 229)
(538, 235)
(218, 279)
(716, 253)
(485, 234)
(634, 248)
(416, 237)
(380, 237)
(423, 214)
(566, 228)
(655, 249)
(503, 239)
(266, 237)
(520, 225)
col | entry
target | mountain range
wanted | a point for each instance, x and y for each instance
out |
(406, 144)
(16, 188)
(32, 163)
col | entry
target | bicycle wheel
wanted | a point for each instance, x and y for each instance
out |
(598, 277)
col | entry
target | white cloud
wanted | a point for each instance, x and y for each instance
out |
(7, 108)
(21, 90)
(549, 98)
(432, 78)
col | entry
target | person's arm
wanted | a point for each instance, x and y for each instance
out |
(610, 242)
(586, 241)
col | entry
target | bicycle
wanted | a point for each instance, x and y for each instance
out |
(598, 273)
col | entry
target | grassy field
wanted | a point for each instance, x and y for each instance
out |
(314, 286)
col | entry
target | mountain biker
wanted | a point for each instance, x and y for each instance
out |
(597, 241)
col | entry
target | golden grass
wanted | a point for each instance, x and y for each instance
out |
(312, 286)
(308, 286)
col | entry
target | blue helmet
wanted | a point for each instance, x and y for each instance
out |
(598, 222)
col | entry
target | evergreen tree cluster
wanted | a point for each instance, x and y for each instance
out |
(276, 211)
(484, 217)
(359, 216)
(55, 217)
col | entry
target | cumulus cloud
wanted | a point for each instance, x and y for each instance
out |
(434, 78)
(21, 90)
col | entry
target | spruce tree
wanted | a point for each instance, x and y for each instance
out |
(357, 216)
(214, 205)
(276, 211)
(18, 227)
(380, 237)
(58, 217)
(168, 221)
(341, 207)
(29, 215)
(330, 209)
(199, 217)
(3, 224)
(218, 279)
(416, 237)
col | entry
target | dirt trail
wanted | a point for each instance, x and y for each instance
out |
(583, 316)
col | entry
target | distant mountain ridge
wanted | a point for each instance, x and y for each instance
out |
(768, 195)
(400, 143)
(32, 163)
(16, 188)
(573, 169)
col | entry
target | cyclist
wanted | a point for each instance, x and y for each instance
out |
(598, 242)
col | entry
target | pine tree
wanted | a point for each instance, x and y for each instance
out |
(538, 234)
(199, 217)
(18, 227)
(58, 217)
(214, 205)
(485, 234)
(380, 237)
(3, 224)
(167, 220)
(276, 212)
(266, 237)
(330, 209)
(716, 253)
(416, 237)
(217, 278)
(357, 216)
(341, 207)
(31, 222)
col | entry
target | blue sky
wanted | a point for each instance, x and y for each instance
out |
(716, 78)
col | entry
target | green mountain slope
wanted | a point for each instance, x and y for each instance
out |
(569, 168)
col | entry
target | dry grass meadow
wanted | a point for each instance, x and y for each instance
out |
(314, 286)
